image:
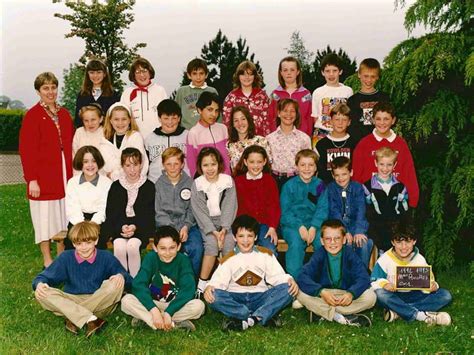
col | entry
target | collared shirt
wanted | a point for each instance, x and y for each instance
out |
(198, 87)
(284, 148)
(80, 260)
(250, 177)
(390, 138)
(94, 181)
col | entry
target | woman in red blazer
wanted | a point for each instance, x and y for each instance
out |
(46, 155)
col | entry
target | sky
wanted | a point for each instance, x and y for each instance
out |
(32, 39)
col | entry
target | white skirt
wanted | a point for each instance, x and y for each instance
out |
(49, 217)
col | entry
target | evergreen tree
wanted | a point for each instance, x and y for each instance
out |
(72, 80)
(316, 79)
(298, 50)
(430, 81)
(222, 58)
(101, 25)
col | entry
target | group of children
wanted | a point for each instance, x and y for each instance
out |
(228, 190)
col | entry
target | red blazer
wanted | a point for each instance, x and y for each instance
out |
(40, 151)
(259, 199)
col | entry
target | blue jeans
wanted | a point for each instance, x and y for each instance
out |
(194, 249)
(263, 305)
(364, 251)
(407, 304)
(266, 242)
(294, 256)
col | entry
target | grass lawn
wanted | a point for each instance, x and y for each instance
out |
(26, 328)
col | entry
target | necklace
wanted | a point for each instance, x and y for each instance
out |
(339, 146)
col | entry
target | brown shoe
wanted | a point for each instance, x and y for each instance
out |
(70, 327)
(94, 326)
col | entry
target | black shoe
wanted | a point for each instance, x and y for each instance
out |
(358, 320)
(314, 318)
(232, 324)
(274, 322)
(199, 295)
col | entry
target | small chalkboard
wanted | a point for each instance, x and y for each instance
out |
(413, 277)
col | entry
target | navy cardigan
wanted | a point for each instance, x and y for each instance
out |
(314, 275)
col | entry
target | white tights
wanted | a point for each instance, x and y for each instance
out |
(127, 251)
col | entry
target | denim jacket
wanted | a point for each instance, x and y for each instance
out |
(348, 205)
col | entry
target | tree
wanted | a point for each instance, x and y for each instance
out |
(316, 79)
(4, 101)
(72, 78)
(222, 58)
(16, 105)
(430, 82)
(311, 63)
(101, 25)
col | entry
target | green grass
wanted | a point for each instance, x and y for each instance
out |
(26, 328)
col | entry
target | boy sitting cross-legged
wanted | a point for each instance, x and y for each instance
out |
(240, 287)
(409, 305)
(93, 281)
(163, 290)
(335, 284)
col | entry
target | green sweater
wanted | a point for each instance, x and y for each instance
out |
(186, 97)
(165, 282)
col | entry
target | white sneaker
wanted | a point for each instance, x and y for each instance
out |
(389, 315)
(296, 305)
(438, 318)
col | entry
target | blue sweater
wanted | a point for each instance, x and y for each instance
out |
(349, 209)
(303, 204)
(84, 278)
(315, 276)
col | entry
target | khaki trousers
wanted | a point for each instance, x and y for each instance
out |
(79, 308)
(322, 309)
(133, 307)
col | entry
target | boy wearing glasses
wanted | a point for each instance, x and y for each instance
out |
(334, 284)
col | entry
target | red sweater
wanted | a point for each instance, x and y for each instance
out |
(40, 151)
(364, 165)
(259, 199)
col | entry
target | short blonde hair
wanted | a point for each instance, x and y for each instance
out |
(85, 231)
(172, 152)
(386, 152)
(306, 153)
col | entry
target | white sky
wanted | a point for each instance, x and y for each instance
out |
(32, 39)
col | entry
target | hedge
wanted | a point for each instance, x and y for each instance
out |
(10, 123)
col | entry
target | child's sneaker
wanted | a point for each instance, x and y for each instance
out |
(232, 324)
(136, 322)
(274, 322)
(199, 295)
(186, 325)
(358, 320)
(389, 315)
(313, 317)
(296, 305)
(438, 318)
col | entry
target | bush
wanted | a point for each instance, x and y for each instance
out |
(10, 123)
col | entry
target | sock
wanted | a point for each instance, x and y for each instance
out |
(339, 318)
(91, 319)
(202, 284)
(421, 316)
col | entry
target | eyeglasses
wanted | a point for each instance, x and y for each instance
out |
(332, 239)
(141, 71)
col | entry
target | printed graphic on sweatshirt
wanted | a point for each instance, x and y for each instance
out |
(367, 118)
(333, 153)
(327, 104)
(165, 293)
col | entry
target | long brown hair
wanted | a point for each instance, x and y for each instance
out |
(233, 134)
(93, 65)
